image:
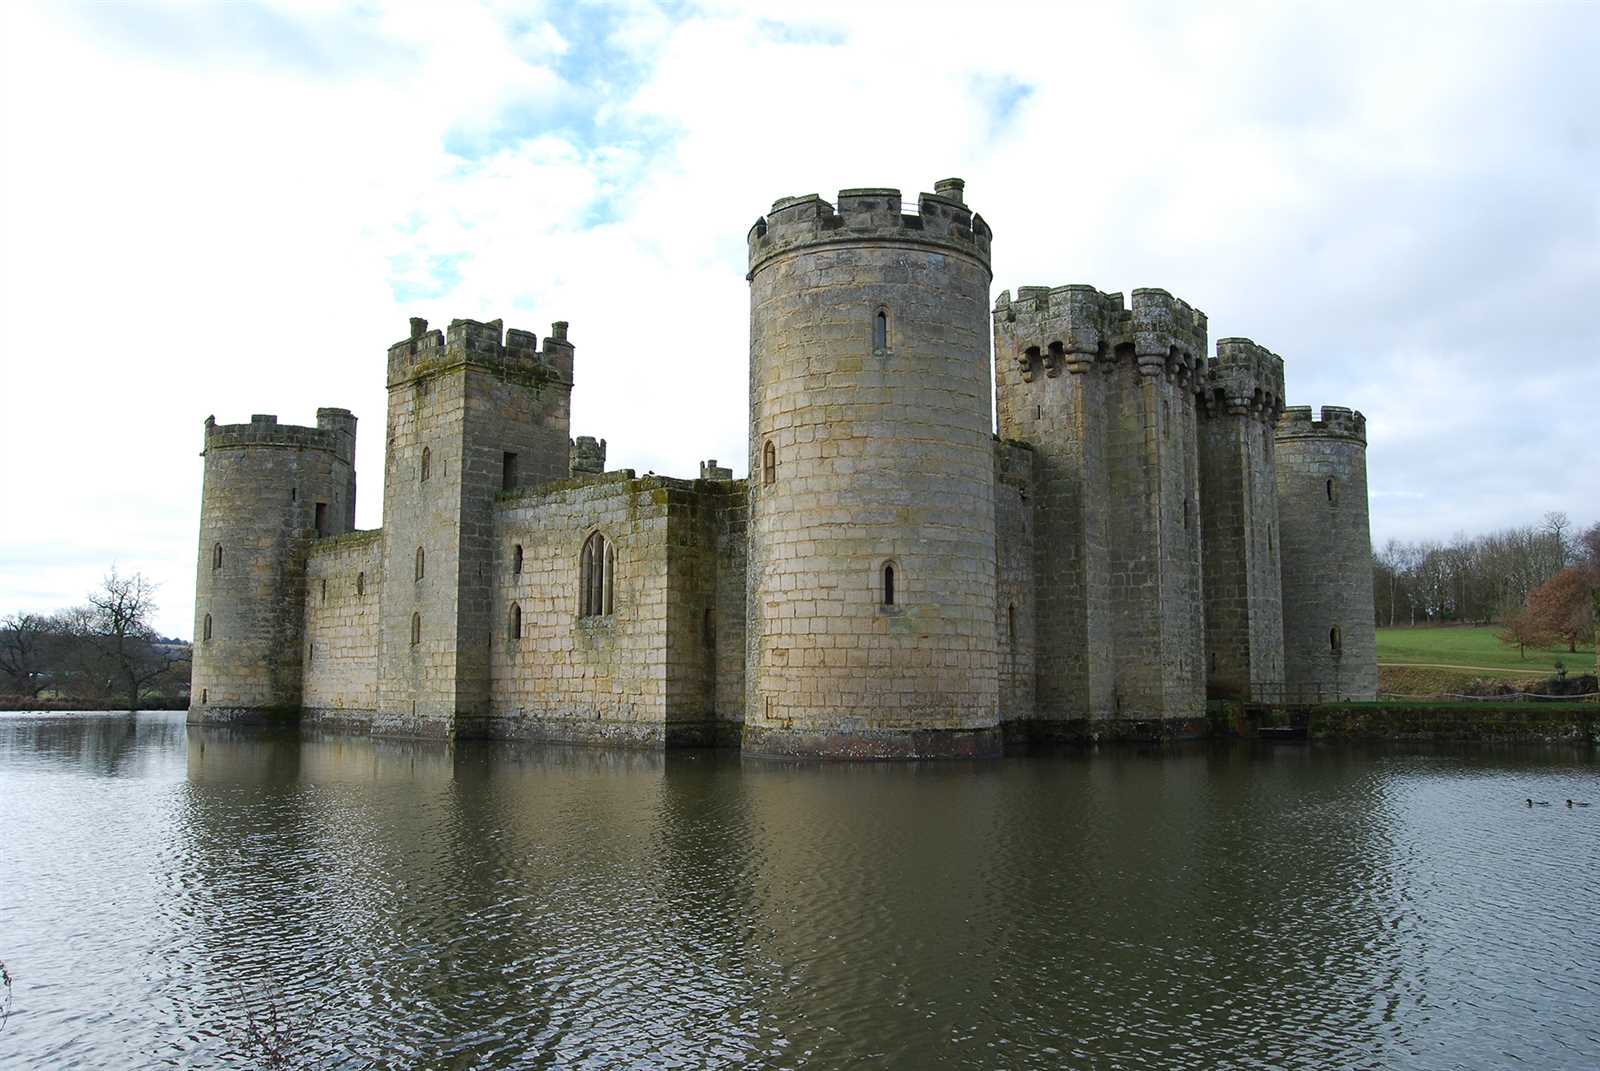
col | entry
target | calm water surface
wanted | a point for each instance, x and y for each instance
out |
(406, 905)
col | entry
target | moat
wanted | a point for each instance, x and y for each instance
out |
(494, 906)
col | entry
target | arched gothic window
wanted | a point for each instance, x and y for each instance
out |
(880, 331)
(427, 462)
(769, 464)
(216, 556)
(421, 563)
(596, 580)
(888, 584)
(416, 629)
(516, 621)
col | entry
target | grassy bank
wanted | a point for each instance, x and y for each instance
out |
(1431, 660)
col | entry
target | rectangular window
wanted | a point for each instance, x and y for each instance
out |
(322, 518)
(508, 472)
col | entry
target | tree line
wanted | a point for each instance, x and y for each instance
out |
(104, 653)
(1538, 581)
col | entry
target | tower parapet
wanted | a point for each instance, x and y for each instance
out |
(942, 221)
(588, 455)
(1336, 422)
(513, 354)
(1073, 328)
(1243, 378)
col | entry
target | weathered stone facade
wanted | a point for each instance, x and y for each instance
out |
(892, 579)
(1330, 644)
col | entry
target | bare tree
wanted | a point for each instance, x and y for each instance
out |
(1555, 525)
(25, 641)
(114, 629)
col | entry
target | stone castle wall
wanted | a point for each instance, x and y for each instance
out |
(490, 410)
(1329, 636)
(1104, 395)
(880, 461)
(267, 489)
(1140, 533)
(1015, 590)
(344, 590)
(647, 671)
(1241, 395)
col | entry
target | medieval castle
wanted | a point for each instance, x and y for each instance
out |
(1150, 528)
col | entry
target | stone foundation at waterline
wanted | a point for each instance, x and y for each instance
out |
(1149, 528)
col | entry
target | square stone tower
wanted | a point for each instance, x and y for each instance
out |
(1105, 396)
(471, 414)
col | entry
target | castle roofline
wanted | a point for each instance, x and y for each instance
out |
(868, 214)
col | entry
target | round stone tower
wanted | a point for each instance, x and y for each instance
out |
(1329, 644)
(871, 580)
(270, 490)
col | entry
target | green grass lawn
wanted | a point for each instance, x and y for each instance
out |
(1476, 648)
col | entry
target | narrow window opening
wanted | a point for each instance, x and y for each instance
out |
(1335, 641)
(311, 652)
(516, 559)
(324, 590)
(203, 693)
(205, 629)
(1330, 490)
(216, 556)
(1213, 661)
(880, 331)
(769, 464)
(508, 472)
(611, 570)
(1038, 412)
(421, 563)
(361, 583)
(1011, 623)
(321, 520)
(294, 494)
(888, 585)
(516, 621)
(427, 463)
(416, 629)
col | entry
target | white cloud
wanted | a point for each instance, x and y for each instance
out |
(216, 214)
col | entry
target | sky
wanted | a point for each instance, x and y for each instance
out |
(234, 208)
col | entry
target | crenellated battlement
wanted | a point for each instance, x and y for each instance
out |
(264, 430)
(1337, 422)
(514, 353)
(1076, 327)
(587, 455)
(1243, 378)
(942, 220)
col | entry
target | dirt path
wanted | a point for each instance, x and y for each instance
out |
(1471, 669)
